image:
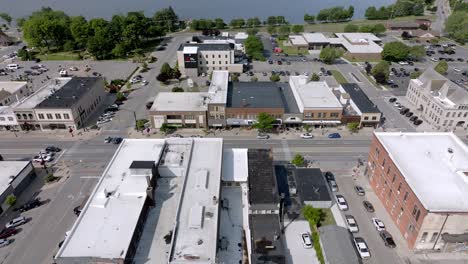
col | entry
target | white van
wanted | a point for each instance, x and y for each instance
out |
(13, 66)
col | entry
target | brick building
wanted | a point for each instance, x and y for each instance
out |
(421, 180)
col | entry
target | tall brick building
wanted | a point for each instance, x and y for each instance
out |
(422, 181)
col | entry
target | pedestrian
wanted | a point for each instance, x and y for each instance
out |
(148, 130)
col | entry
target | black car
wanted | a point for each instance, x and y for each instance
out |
(388, 239)
(417, 122)
(287, 73)
(97, 74)
(270, 62)
(29, 205)
(117, 140)
(394, 85)
(369, 207)
(404, 111)
(392, 100)
(409, 114)
(149, 105)
(460, 59)
(359, 190)
(265, 74)
(53, 149)
(413, 118)
(329, 176)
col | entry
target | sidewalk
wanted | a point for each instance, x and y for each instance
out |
(56, 134)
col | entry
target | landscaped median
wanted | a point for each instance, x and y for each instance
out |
(316, 217)
(339, 77)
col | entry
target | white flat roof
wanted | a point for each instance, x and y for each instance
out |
(358, 42)
(219, 87)
(312, 94)
(106, 225)
(37, 97)
(241, 35)
(197, 221)
(315, 38)
(6, 110)
(438, 178)
(8, 171)
(235, 165)
(180, 102)
(11, 87)
(297, 40)
(190, 50)
(358, 35)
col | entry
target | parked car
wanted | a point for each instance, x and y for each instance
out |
(103, 121)
(341, 201)
(29, 205)
(333, 186)
(409, 114)
(263, 136)
(417, 122)
(53, 149)
(359, 190)
(108, 139)
(392, 100)
(149, 105)
(42, 158)
(413, 118)
(334, 135)
(352, 224)
(73, 68)
(362, 247)
(4, 242)
(369, 207)
(117, 140)
(307, 135)
(404, 111)
(8, 232)
(329, 176)
(306, 241)
(20, 220)
(403, 63)
(387, 238)
(46, 153)
(379, 225)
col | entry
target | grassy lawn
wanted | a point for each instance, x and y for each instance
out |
(328, 218)
(339, 77)
(352, 59)
(289, 49)
(59, 56)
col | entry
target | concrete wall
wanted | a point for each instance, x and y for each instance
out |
(436, 224)
(325, 114)
(196, 119)
(372, 119)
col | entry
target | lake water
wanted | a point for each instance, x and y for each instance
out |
(293, 10)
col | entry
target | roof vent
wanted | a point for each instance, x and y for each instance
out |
(450, 150)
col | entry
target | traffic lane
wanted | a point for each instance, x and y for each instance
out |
(380, 254)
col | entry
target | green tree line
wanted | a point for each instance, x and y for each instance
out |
(399, 9)
(54, 30)
(335, 14)
(457, 23)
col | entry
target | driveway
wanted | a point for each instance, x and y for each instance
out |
(295, 252)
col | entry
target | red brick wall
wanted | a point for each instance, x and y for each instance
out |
(385, 181)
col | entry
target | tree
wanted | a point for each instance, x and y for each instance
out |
(166, 19)
(368, 68)
(11, 200)
(100, 45)
(441, 67)
(272, 29)
(6, 17)
(313, 215)
(309, 19)
(284, 30)
(378, 29)
(79, 30)
(219, 23)
(163, 77)
(254, 48)
(353, 127)
(253, 22)
(315, 77)
(381, 72)
(351, 28)
(144, 67)
(337, 13)
(252, 31)
(234, 77)
(254, 79)
(275, 78)
(417, 52)
(120, 97)
(140, 124)
(297, 29)
(329, 54)
(164, 128)
(264, 122)
(177, 90)
(395, 51)
(415, 75)
(298, 160)
(166, 69)
(457, 26)
(271, 20)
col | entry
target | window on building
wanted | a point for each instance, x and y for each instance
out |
(411, 228)
(10, 118)
(394, 178)
(2, 118)
(226, 62)
(366, 118)
(434, 237)
(405, 197)
(334, 115)
(18, 116)
(390, 194)
(30, 116)
(423, 237)
(219, 56)
(447, 115)
(453, 114)
(465, 114)
(219, 62)
(225, 56)
(374, 118)
(190, 117)
(41, 116)
(58, 116)
(66, 116)
(226, 68)
(416, 212)
(308, 114)
(399, 188)
(383, 162)
(401, 212)
(25, 116)
(212, 56)
(459, 114)
(49, 116)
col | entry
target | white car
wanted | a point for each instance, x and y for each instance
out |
(456, 69)
(144, 82)
(63, 73)
(4, 242)
(16, 222)
(434, 59)
(403, 63)
(46, 153)
(361, 247)
(341, 201)
(306, 241)
(306, 73)
(40, 158)
(352, 224)
(307, 135)
(379, 225)
(103, 121)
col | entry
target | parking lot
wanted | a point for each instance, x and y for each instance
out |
(297, 253)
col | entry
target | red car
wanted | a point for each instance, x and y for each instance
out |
(8, 232)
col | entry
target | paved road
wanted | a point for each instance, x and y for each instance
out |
(443, 11)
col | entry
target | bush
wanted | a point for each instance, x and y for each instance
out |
(254, 79)
(298, 160)
(162, 77)
(140, 124)
(441, 67)
(318, 247)
(353, 127)
(315, 77)
(144, 67)
(177, 90)
(11, 200)
(120, 97)
(275, 78)
(234, 78)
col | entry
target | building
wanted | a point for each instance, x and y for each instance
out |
(198, 110)
(369, 114)
(264, 209)
(8, 119)
(202, 58)
(362, 46)
(316, 101)
(62, 104)
(126, 188)
(15, 176)
(337, 245)
(438, 101)
(312, 188)
(420, 178)
(402, 25)
(11, 92)
(299, 42)
(423, 35)
(5, 40)
(245, 100)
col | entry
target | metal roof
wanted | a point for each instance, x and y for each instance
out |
(363, 102)
(262, 180)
